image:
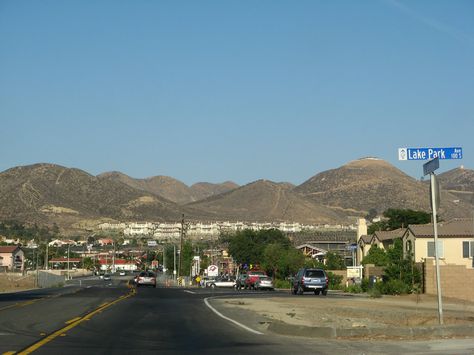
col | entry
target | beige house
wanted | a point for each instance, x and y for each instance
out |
(12, 258)
(455, 242)
(384, 239)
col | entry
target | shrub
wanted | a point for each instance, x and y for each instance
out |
(354, 289)
(375, 292)
(395, 287)
(282, 284)
(334, 281)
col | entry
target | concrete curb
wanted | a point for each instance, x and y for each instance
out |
(405, 332)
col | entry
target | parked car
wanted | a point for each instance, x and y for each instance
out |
(122, 273)
(252, 277)
(240, 282)
(145, 278)
(223, 282)
(264, 283)
(315, 280)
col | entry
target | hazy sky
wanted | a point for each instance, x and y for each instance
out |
(234, 90)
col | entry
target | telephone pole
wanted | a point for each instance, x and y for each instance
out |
(181, 246)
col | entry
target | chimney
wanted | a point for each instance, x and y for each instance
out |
(361, 228)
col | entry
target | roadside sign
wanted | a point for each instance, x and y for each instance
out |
(351, 247)
(430, 166)
(429, 153)
(213, 270)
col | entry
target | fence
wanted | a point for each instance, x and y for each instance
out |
(47, 279)
(457, 281)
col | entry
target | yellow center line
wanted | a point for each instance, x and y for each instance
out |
(74, 323)
(72, 320)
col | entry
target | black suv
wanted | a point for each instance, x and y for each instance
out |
(315, 280)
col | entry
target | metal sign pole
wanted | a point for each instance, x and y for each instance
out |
(435, 233)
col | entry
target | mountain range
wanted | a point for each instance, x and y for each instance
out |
(77, 201)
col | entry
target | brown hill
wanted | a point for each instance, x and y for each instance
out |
(459, 182)
(374, 183)
(170, 188)
(47, 193)
(265, 200)
(203, 190)
(164, 186)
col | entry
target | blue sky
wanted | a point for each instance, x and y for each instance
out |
(234, 90)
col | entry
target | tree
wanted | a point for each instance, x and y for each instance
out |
(247, 246)
(334, 261)
(88, 263)
(273, 256)
(376, 256)
(399, 218)
(371, 215)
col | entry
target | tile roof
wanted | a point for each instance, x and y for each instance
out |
(389, 235)
(366, 238)
(8, 249)
(452, 228)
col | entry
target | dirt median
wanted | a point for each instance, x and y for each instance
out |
(412, 316)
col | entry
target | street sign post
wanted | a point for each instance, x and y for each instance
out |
(429, 168)
(429, 153)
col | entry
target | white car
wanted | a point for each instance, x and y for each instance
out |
(122, 273)
(222, 282)
(264, 283)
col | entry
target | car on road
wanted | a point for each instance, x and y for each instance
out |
(145, 278)
(264, 283)
(252, 277)
(315, 280)
(222, 282)
(122, 273)
(240, 282)
(107, 277)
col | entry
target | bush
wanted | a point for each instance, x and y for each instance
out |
(334, 281)
(375, 292)
(394, 287)
(282, 284)
(354, 289)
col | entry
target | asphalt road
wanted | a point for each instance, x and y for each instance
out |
(100, 317)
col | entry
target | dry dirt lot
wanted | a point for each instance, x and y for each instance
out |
(14, 282)
(388, 312)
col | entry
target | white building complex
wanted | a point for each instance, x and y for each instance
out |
(203, 230)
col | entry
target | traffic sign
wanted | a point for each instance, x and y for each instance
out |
(429, 153)
(430, 166)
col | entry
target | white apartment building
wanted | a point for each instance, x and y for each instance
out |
(170, 231)
(140, 229)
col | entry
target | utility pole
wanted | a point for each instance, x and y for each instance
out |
(174, 262)
(181, 246)
(68, 275)
(46, 256)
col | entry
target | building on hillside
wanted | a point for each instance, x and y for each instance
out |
(105, 241)
(12, 258)
(455, 242)
(61, 243)
(140, 229)
(109, 264)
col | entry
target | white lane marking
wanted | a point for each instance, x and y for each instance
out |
(230, 319)
(191, 292)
